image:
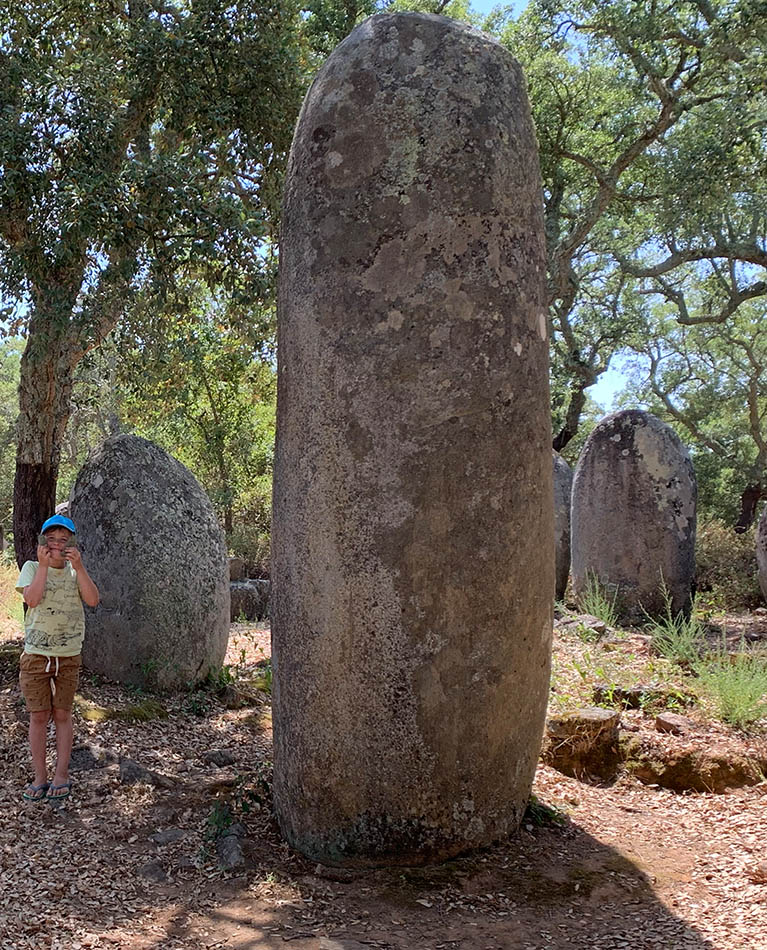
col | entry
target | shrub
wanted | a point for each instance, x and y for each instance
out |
(251, 543)
(726, 566)
(679, 638)
(738, 686)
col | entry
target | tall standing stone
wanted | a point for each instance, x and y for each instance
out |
(563, 485)
(633, 515)
(761, 552)
(412, 541)
(154, 547)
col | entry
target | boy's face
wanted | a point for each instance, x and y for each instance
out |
(57, 541)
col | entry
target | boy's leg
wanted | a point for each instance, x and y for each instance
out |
(36, 687)
(64, 737)
(66, 687)
(38, 733)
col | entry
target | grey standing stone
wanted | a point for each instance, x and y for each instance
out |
(153, 545)
(249, 599)
(633, 515)
(413, 525)
(761, 552)
(563, 484)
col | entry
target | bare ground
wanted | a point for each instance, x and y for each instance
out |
(629, 866)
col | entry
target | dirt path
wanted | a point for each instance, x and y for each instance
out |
(631, 866)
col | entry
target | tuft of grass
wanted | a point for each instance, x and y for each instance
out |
(218, 678)
(680, 639)
(263, 682)
(737, 685)
(596, 600)
(541, 815)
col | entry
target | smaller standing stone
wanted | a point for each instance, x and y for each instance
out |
(634, 516)
(249, 599)
(154, 547)
(237, 568)
(563, 484)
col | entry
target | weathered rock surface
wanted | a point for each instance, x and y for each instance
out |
(563, 484)
(153, 871)
(88, 756)
(413, 564)
(237, 568)
(761, 552)
(584, 743)
(249, 599)
(690, 768)
(133, 773)
(672, 722)
(218, 757)
(229, 847)
(168, 836)
(153, 545)
(633, 515)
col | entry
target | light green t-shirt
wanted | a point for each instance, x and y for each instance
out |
(56, 627)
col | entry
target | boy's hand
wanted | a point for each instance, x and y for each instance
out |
(43, 555)
(74, 557)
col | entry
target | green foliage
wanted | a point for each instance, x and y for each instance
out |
(264, 680)
(710, 383)
(596, 600)
(679, 638)
(204, 390)
(141, 137)
(207, 394)
(10, 359)
(219, 678)
(726, 568)
(197, 704)
(141, 147)
(653, 172)
(737, 685)
(219, 821)
(252, 542)
(541, 815)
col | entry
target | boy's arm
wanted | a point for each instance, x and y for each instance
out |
(88, 590)
(33, 592)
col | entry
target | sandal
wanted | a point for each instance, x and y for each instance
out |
(57, 793)
(35, 793)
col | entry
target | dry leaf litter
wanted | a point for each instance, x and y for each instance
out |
(123, 865)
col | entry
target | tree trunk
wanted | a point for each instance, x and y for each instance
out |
(749, 501)
(45, 393)
(34, 500)
(573, 417)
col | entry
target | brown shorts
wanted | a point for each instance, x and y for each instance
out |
(45, 688)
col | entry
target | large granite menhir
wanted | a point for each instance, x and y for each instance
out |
(563, 486)
(154, 547)
(413, 562)
(633, 516)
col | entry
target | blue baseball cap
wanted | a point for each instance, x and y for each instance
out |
(59, 521)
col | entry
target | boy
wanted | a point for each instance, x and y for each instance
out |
(54, 588)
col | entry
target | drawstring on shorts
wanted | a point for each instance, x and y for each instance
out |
(55, 674)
